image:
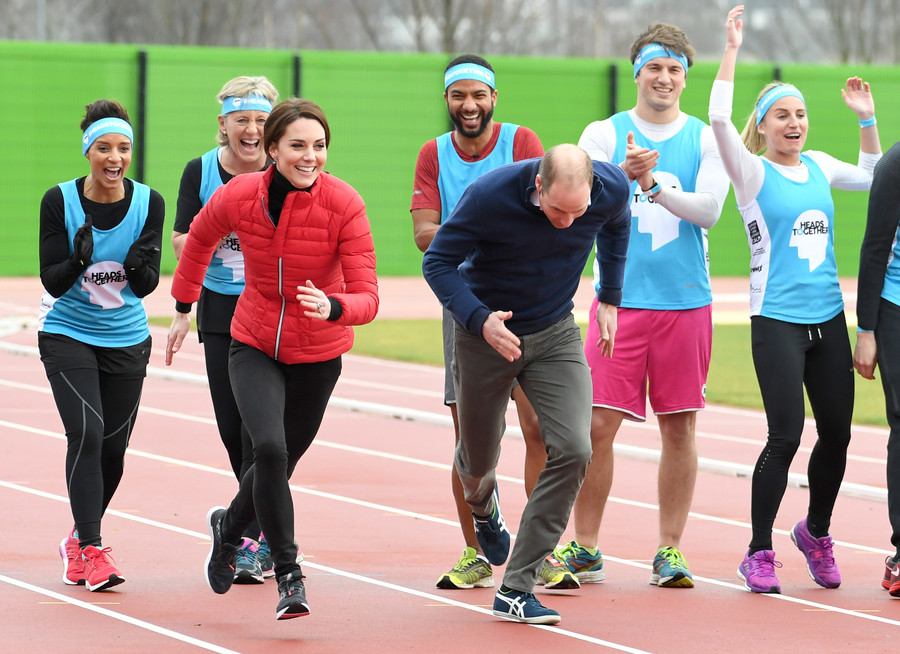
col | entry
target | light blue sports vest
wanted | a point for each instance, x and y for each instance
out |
(100, 309)
(225, 273)
(668, 262)
(455, 174)
(801, 281)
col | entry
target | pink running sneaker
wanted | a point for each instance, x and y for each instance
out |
(73, 563)
(819, 557)
(100, 572)
(758, 572)
(891, 574)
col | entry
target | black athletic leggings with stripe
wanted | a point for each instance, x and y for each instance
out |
(788, 357)
(282, 406)
(97, 392)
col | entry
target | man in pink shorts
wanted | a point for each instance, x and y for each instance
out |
(665, 321)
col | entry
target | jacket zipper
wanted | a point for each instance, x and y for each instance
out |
(280, 326)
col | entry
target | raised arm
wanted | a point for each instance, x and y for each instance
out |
(858, 97)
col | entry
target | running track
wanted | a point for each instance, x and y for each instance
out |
(376, 523)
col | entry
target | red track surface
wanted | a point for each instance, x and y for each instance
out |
(376, 522)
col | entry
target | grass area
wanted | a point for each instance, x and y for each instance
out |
(732, 380)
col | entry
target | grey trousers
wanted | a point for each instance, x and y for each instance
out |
(554, 375)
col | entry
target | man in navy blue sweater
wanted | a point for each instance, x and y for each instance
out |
(507, 264)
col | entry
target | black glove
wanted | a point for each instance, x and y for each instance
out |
(142, 251)
(83, 243)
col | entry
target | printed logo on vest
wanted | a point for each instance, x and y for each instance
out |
(810, 236)
(103, 282)
(655, 219)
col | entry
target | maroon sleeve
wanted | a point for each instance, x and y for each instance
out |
(426, 194)
(526, 145)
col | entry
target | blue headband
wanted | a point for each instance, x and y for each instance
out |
(765, 103)
(104, 126)
(655, 51)
(252, 102)
(469, 71)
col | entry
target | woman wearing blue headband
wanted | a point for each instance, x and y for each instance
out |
(246, 103)
(99, 252)
(798, 329)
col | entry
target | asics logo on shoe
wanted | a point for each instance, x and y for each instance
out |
(516, 605)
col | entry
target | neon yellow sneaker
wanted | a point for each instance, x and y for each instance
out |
(471, 571)
(670, 570)
(556, 575)
(586, 563)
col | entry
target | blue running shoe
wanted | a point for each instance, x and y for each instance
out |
(522, 607)
(670, 570)
(492, 534)
(248, 568)
(585, 563)
(266, 564)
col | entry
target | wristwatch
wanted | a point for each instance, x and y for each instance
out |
(653, 190)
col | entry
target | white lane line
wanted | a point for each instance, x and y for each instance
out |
(411, 460)
(162, 631)
(316, 566)
(652, 455)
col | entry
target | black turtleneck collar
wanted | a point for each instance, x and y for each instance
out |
(279, 187)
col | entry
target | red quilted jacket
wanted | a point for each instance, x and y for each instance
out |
(322, 235)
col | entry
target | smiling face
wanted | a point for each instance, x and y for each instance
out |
(244, 131)
(301, 152)
(471, 106)
(784, 128)
(109, 157)
(659, 85)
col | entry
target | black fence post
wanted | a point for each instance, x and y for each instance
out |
(141, 135)
(298, 64)
(613, 88)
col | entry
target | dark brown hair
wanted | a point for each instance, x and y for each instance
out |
(286, 112)
(670, 36)
(103, 108)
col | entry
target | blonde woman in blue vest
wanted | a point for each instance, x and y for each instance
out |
(797, 324)
(246, 103)
(99, 255)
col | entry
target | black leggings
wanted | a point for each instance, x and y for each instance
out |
(788, 357)
(228, 419)
(232, 431)
(282, 406)
(98, 412)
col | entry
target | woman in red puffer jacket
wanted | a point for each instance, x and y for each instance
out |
(310, 274)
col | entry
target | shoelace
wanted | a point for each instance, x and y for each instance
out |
(102, 559)
(563, 553)
(674, 559)
(763, 566)
(227, 555)
(463, 565)
(244, 555)
(826, 550)
(490, 534)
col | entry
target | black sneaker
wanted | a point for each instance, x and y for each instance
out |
(492, 534)
(222, 557)
(293, 596)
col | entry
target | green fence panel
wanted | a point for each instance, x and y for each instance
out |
(52, 84)
(182, 110)
(381, 109)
